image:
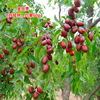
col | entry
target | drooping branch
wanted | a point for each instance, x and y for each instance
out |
(94, 23)
(59, 10)
(94, 92)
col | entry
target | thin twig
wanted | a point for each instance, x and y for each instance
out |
(94, 92)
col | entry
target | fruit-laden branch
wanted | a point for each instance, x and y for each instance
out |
(94, 92)
(59, 10)
(94, 23)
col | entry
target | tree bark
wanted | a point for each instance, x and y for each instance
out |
(66, 92)
(98, 97)
(90, 12)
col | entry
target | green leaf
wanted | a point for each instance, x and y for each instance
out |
(93, 48)
(26, 79)
(89, 2)
(23, 51)
(56, 19)
(62, 2)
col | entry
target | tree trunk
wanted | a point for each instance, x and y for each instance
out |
(66, 92)
(90, 12)
(98, 97)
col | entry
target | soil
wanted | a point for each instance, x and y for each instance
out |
(72, 96)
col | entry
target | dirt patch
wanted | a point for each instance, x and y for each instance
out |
(72, 96)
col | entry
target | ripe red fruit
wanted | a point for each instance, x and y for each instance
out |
(28, 64)
(45, 60)
(49, 57)
(68, 21)
(84, 48)
(76, 40)
(12, 71)
(49, 46)
(36, 87)
(82, 39)
(6, 51)
(5, 5)
(63, 44)
(56, 62)
(8, 20)
(9, 79)
(5, 68)
(0, 95)
(73, 60)
(21, 40)
(90, 36)
(79, 23)
(0, 21)
(66, 27)
(81, 30)
(48, 22)
(35, 95)
(30, 89)
(72, 52)
(74, 16)
(46, 68)
(46, 25)
(28, 71)
(49, 42)
(79, 47)
(70, 12)
(49, 51)
(40, 90)
(14, 46)
(50, 25)
(86, 29)
(3, 72)
(10, 65)
(19, 50)
(15, 39)
(74, 29)
(49, 80)
(19, 43)
(70, 44)
(68, 49)
(76, 71)
(75, 9)
(44, 42)
(74, 65)
(1, 56)
(77, 3)
(48, 37)
(32, 65)
(64, 33)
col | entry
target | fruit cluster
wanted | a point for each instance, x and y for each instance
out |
(48, 24)
(18, 43)
(46, 39)
(29, 64)
(6, 52)
(35, 91)
(73, 26)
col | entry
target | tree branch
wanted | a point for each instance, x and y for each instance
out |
(59, 10)
(90, 12)
(94, 23)
(7, 36)
(94, 92)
